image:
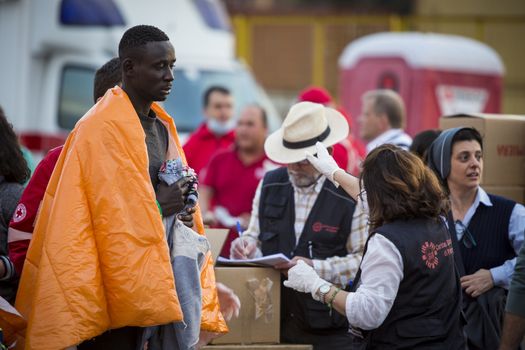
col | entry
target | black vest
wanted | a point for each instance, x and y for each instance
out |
(324, 235)
(427, 310)
(490, 228)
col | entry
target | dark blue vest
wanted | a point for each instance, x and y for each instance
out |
(490, 228)
(426, 311)
(324, 235)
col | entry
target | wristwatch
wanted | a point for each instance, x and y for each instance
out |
(323, 291)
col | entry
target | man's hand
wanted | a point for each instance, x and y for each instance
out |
(244, 220)
(171, 198)
(303, 278)
(477, 283)
(229, 302)
(243, 248)
(187, 216)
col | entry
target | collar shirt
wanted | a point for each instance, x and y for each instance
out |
(396, 137)
(304, 199)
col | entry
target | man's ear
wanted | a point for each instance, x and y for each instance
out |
(385, 122)
(128, 67)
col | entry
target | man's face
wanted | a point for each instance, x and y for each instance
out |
(153, 71)
(220, 107)
(250, 132)
(370, 124)
(302, 174)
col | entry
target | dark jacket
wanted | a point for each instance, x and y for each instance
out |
(426, 313)
(324, 235)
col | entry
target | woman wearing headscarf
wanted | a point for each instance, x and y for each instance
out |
(13, 174)
(487, 231)
(406, 294)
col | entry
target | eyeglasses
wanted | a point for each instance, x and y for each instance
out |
(467, 239)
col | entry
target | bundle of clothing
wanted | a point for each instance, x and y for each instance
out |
(187, 251)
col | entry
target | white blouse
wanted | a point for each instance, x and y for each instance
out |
(381, 274)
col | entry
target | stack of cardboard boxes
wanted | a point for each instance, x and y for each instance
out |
(503, 151)
(259, 289)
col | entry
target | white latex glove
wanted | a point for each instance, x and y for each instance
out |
(229, 302)
(303, 278)
(324, 162)
(224, 217)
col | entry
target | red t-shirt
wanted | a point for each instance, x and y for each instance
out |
(23, 221)
(340, 155)
(202, 144)
(234, 185)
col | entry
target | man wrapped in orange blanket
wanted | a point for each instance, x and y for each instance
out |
(98, 259)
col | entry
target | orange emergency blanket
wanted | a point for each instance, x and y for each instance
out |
(98, 258)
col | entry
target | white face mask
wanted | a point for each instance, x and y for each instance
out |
(220, 128)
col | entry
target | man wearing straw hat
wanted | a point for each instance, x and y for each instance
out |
(298, 213)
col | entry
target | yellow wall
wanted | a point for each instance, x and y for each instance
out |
(289, 52)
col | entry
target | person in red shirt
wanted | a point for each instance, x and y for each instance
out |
(23, 220)
(231, 177)
(217, 130)
(350, 152)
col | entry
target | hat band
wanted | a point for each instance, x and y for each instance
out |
(309, 142)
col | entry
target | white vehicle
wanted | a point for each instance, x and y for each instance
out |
(50, 50)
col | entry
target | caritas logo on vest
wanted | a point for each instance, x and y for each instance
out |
(319, 226)
(431, 250)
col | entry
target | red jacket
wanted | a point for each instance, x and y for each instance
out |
(23, 221)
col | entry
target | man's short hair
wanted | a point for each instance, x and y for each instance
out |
(107, 77)
(388, 102)
(138, 36)
(216, 88)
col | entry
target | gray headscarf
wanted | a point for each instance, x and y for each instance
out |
(440, 152)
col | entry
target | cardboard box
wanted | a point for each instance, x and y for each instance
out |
(259, 289)
(516, 193)
(260, 347)
(216, 237)
(503, 145)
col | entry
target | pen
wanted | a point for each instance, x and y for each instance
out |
(239, 231)
(310, 249)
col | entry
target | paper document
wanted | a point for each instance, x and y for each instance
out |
(269, 260)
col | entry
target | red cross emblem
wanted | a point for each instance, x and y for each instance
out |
(20, 213)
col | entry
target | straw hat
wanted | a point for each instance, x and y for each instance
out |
(304, 125)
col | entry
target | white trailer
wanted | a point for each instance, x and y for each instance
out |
(50, 50)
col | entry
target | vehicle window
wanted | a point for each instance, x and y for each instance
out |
(90, 13)
(213, 14)
(184, 103)
(76, 95)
